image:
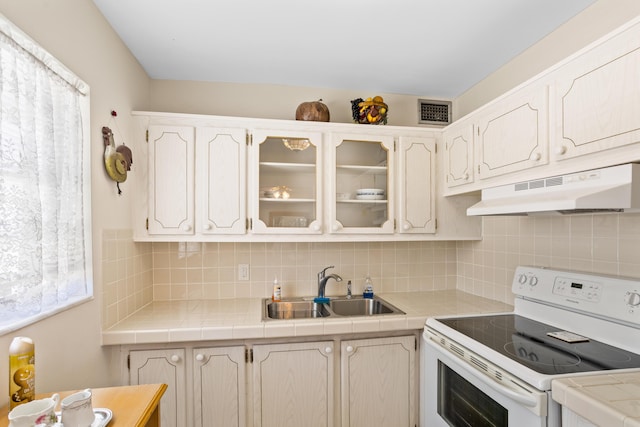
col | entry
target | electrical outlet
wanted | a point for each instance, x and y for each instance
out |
(243, 271)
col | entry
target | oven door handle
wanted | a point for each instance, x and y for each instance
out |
(526, 400)
(531, 400)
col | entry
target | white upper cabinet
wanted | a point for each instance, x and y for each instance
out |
(416, 185)
(458, 154)
(512, 135)
(171, 180)
(221, 170)
(596, 98)
(361, 184)
(233, 179)
(286, 188)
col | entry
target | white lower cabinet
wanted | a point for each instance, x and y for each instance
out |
(293, 384)
(325, 383)
(163, 366)
(378, 382)
(219, 387)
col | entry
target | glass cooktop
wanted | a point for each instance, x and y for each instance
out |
(526, 341)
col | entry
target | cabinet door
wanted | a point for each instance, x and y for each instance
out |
(512, 134)
(221, 175)
(168, 367)
(219, 387)
(458, 155)
(293, 385)
(379, 382)
(361, 193)
(416, 185)
(286, 184)
(596, 99)
(171, 180)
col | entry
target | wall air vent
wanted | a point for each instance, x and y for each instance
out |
(431, 112)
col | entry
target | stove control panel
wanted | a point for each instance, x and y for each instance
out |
(613, 297)
(582, 289)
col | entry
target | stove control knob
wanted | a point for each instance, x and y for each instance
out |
(633, 299)
(522, 279)
(533, 281)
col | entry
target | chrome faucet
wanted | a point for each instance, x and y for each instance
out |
(322, 280)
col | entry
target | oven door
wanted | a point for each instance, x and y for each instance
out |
(456, 394)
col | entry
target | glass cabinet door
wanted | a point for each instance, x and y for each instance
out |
(288, 185)
(362, 184)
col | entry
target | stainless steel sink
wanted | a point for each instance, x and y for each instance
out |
(305, 308)
(359, 306)
(293, 309)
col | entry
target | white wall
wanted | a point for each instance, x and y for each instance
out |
(269, 101)
(68, 351)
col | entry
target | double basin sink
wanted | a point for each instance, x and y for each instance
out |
(306, 308)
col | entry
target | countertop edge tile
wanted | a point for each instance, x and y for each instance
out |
(241, 319)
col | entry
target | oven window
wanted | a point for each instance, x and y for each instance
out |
(462, 404)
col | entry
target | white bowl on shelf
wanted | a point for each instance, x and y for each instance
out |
(370, 191)
(370, 194)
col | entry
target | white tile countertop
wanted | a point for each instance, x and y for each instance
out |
(611, 400)
(225, 319)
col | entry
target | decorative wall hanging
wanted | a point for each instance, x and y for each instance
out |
(117, 160)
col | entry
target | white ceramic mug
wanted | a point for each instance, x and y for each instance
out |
(77, 410)
(36, 412)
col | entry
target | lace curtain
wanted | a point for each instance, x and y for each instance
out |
(43, 257)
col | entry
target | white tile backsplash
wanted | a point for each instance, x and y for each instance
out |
(134, 274)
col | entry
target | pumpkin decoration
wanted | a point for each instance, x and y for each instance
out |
(315, 111)
(372, 111)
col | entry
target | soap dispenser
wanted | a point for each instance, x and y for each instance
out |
(368, 288)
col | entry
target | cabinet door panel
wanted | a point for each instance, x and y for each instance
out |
(293, 384)
(512, 135)
(168, 367)
(378, 382)
(219, 382)
(361, 162)
(171, 180)
(286, 188)
(416, 185)
(597, 99)
(221, 157)
(458, 155)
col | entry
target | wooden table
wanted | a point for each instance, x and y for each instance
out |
(132, 406)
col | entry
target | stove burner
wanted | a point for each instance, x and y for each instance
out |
(526, 341)
(540, 355)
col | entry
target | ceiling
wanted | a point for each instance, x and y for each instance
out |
(434, 48)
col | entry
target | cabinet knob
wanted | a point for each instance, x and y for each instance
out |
(185, 227)
(175, 358)
(536, 157)
(199, 357)
(561, 150)
(328, 350)
(349, 349)
(336, 227)
(316, 227)
(406, 226)
(208, 227)
(465, 177)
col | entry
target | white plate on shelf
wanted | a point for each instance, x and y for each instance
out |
(102, 417)
(370, 197)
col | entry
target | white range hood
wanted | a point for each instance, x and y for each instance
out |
(611, 189)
